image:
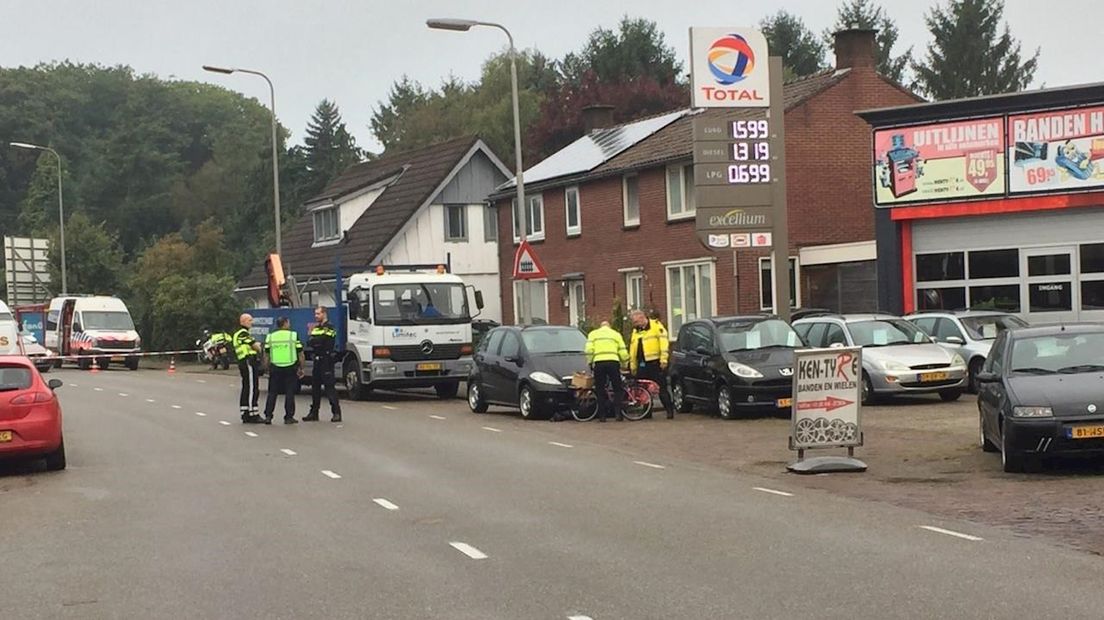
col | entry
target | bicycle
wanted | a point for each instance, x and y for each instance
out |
(636, 400)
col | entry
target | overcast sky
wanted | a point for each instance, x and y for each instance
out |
(352, 50)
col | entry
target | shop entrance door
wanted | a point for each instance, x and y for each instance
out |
(1049, 291)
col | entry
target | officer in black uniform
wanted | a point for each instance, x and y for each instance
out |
(247, 350)
(323, 341)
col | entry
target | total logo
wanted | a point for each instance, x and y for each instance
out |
(731, 60)
(729, 67)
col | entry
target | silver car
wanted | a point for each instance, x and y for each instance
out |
(897, 357)
(970, 333)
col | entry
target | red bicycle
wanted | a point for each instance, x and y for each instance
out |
(636, 400)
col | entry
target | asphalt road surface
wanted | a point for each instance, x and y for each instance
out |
(415, 508)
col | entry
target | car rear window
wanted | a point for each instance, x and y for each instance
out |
(14, 378)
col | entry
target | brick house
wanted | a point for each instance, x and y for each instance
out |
(611, 216)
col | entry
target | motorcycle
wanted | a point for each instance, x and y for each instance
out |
(214, 349)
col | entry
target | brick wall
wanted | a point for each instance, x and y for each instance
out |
(829, 196)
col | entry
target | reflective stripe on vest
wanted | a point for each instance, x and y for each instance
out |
(281, 345)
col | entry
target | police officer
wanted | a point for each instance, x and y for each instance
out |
(284, 360)
(606, 353)
(247, 349)
(648, 354)
(323, 341)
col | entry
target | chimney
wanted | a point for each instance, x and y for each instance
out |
(855, 48)
(598, 116)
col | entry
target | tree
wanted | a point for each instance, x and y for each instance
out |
(970, 55)
(330, 148)
(184, 306)
(38, 211)
(865, 14)
(801, 51)
(93, 258)
(637, 49)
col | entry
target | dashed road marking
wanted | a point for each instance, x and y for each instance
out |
(652, 465)
(288, 452)
(123, 394)
(201, 381)
(329, 474)
(224, 423)
(251, 434)
(561, 445)
(98, 389)
(385, 503)
(74, 385)
(150, 400)
(390, 408)
(438, 417)
(469, 550)
(201, 414)
(773, 491)
(939, 530)
(579, 618)
(492, 429)
(177, 407)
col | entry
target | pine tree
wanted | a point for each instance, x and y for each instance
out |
(801, 51)
(865, 15)
(330, 148)
(970, 56)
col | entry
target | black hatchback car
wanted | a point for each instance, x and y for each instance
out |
(743, 362)
(529, 368)
(1041, 392)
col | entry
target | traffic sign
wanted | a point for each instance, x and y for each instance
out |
(526, 264)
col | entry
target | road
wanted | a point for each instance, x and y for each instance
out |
(415, 508)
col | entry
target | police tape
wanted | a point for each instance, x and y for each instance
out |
(113, 354)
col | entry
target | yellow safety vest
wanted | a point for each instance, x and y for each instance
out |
(605, 344)
(655, 342)
(243, 344)
(283, 348)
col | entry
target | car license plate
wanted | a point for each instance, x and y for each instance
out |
(785, 402)
(433, 366)
(1085, 432)
(5, 436)
(927, 377)
(118, 358)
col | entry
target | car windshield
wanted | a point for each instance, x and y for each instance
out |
(420, 303)
(885, 332)
(6, 316)
(988, 327)
(1062, 353)
(100, 319)
(14, 378)
(751, 335)
(565, 340)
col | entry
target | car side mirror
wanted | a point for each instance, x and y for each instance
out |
(954, 340)
(513, 359)
(836, 345)
(987, 376)
(55, 383)
(479, 300)
(77, 327)
(700, 350)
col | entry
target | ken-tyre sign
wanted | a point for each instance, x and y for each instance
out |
(827, 398)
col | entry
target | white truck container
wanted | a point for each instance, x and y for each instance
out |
(96, 328)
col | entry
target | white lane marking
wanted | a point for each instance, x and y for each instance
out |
(492, 429)
(330, 474)
(224, 423)
(73, 385)
(123, 394)
(201, 414)
(98, 389)
(437, 417)
(562, 445)
(150, 400)
(579, 618)
(250, 434)
(652, 465)
(940, 530)
(469, 550)
(389, 407)
(201, 381)
(773, 491)
(177, 407)
(288, 452)
(385, 503)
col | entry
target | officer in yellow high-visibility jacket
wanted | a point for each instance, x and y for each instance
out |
(648, 354)
(284, 357)
(246, 349)
(607, 354)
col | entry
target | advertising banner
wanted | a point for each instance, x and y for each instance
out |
(827, 391)
(728, 68)
(944, 161)
(1060, 150)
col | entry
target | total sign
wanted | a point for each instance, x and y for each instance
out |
(728, 68)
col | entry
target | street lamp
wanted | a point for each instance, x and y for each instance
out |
(61, 208)
(463, 25)
(275, 160)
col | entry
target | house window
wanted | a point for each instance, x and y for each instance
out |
(572, 214)
(766, 284)
(326, 225)
(690, 293)
(456, 222)
(634, 290)
(680, 191)
(534, 226)
(538, 301)
(631, 197)
(490, 223)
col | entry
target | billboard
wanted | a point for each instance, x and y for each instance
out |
(26, 270)
(1059, 150)
(943, 161)
(728, 68)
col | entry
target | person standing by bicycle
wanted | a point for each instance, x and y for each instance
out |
(607, 355)
(648, 354)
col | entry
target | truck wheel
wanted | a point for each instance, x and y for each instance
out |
(103, 363)
(132, 363)
(446, 391)
(84, 363)
(353, 385)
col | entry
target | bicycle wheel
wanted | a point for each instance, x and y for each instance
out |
(586, 406)
(638, 403)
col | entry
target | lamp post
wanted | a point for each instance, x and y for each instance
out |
(463, 25)
(61, 208)
(275, 160)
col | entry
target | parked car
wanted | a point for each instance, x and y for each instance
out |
(970, 333)
(897, 357)
(1040, 394)
(739, 363)
(529, 368)
(43, 358)
(30, 416)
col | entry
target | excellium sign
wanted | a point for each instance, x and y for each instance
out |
(728, 68)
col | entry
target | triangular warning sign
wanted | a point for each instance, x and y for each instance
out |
(526, 264)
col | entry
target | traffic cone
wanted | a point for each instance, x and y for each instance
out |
(172, 365)
(95, 367)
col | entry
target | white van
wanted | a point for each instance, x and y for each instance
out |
(98, 329)
(9, 332)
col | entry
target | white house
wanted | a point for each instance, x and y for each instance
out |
(426, 206)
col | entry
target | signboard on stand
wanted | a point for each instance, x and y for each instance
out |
(827, 407)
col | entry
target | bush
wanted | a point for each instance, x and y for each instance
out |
(183, 307)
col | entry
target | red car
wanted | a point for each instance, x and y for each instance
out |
(30, 415)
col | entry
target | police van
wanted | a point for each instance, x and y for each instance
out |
(9, 332)
(96, 329)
